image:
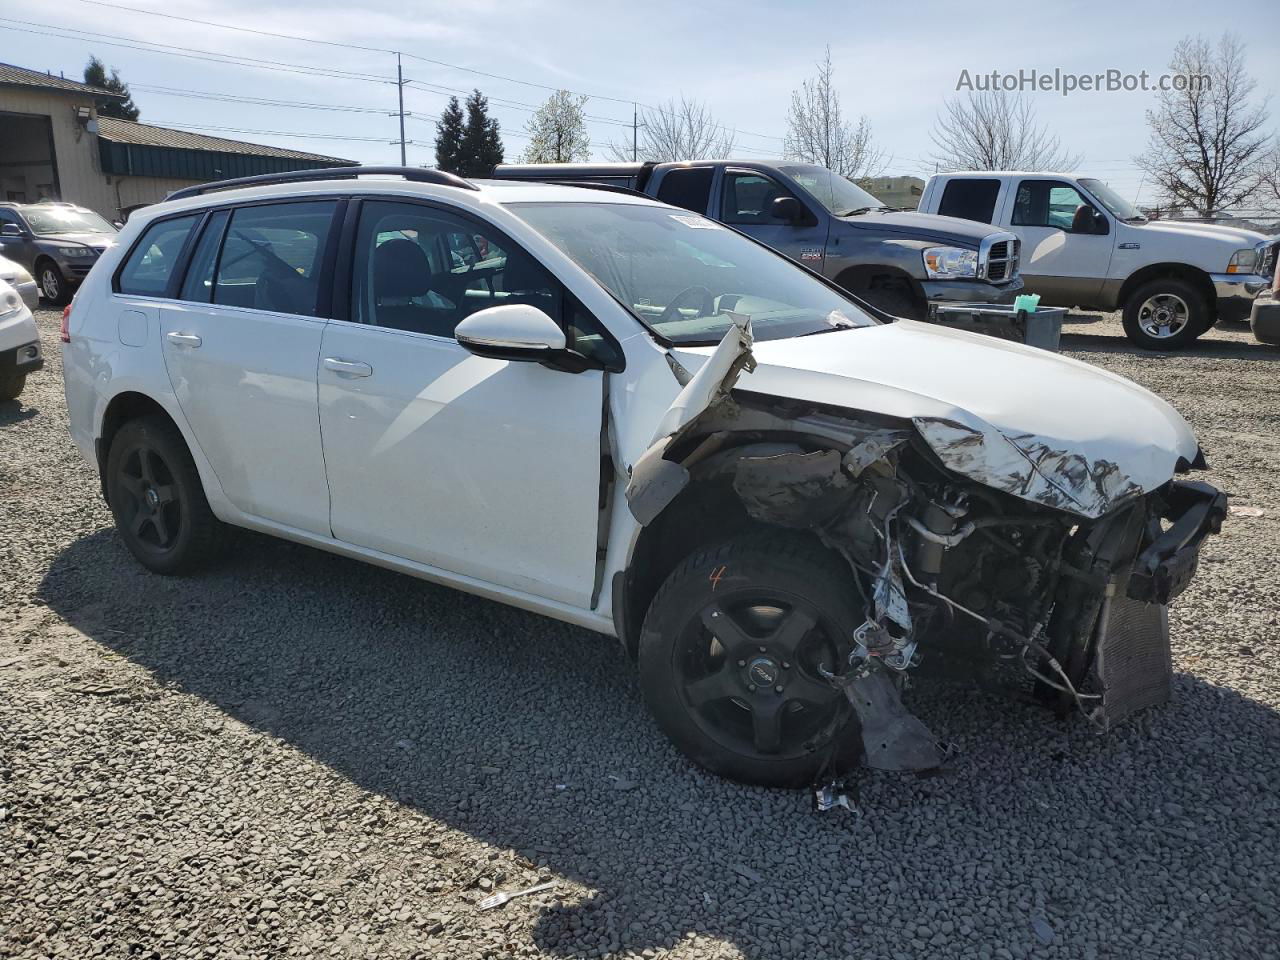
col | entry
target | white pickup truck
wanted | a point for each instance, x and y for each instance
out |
(1083, 245)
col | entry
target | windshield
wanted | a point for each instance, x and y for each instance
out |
(53, 220)
(834, 192)
(1121, 208)
(687, 277)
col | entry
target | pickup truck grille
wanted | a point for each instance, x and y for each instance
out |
(998, 258)
(1267, 260)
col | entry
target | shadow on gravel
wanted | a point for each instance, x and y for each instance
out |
(1215, 349)
(1143, 843)
(15, 411)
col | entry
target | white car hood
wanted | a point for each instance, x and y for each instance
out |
(1032, 423)
(1238, 236)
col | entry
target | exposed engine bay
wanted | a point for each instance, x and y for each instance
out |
(1029, 569)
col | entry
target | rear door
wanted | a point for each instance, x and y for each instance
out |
(242, 343)
(745, 201)
(481, 467)
(1066, 241)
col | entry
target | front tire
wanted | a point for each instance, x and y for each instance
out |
(1166, 313)
(157, 500)
(895, 302)
(53, 285)
(729, 659)
(11, 385)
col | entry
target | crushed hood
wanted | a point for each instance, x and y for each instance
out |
(1034, 424)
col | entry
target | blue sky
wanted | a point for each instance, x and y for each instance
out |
(897, 64)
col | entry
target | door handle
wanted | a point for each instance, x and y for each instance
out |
(184, 339)
(348, 368)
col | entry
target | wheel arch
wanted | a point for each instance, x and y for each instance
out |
(705, 511)
(1181, 271)
(879, 276)
(120, 409)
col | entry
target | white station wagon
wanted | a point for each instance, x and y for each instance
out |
(629, 417)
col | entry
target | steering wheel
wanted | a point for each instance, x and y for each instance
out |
(706, 306)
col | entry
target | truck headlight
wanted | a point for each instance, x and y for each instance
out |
(1243, 261)
(75, 253)
(950, 263)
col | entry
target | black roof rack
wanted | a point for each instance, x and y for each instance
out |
(415, 174)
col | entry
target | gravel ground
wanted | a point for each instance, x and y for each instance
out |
(299, 755)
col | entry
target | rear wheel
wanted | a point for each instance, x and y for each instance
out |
(1166, 313)
(53, 285)
(157, 499)
(11, 385)
(730, 659)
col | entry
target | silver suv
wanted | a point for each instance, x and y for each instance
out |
(57, 242)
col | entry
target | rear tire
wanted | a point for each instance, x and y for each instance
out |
(747, 701)
(11, 385)
(1166, 313)
(157, 500)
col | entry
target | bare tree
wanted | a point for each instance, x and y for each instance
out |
(558, 131)
(1206, 142)
(677, 131)
(1270, 177)
(990, 130)
(817, 131)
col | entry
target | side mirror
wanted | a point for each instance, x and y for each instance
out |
(787, 209)
(514, 331)
(10, 230)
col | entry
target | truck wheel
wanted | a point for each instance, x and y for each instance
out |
(893, 301)
(157, 499)
(1166, 313)
(53, 285)
(11, 385)
(729, 659)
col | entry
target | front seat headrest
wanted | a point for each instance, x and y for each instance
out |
(400, 270)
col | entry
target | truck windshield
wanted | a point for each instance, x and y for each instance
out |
(1120, 208)
(834, 192)
(53, 220)
(688, 278)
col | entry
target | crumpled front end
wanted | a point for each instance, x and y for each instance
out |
(991, 554)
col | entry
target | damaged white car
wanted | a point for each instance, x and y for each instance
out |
(632, 418)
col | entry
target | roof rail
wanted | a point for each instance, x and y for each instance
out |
(415, 174)
(585, 185)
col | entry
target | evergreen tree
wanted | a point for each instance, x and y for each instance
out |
(449, 134)
(481, 143)
(95, 74)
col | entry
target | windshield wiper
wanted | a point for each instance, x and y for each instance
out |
(856, 212)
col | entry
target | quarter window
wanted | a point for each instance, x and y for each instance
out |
(152, 261)
(688, 187)
(271, 257)
(198, 285)
(970, 199)
(748, 198)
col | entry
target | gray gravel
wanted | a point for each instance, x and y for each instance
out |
(300, 755)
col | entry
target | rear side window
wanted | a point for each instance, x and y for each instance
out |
(271, 257)
(151, 263)
(970, 199)
(688, 187)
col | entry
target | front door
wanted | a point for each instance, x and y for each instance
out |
(1066, 242)
(746, 202)
(480, 467)
(242, 343)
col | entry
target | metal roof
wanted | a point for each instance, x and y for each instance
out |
(12, 76)
(146, 135)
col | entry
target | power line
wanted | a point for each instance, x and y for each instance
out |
(258, 101)
(178, 124)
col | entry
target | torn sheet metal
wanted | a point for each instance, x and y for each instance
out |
(1029, 467)
(893, 738)
(798, 490)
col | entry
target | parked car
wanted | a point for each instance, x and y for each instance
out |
(57, 242)
(1084, 245)
(626, 416)
(18, 277)
(19, 343)
(898, 261)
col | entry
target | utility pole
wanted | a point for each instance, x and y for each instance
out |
(400, 91)
(635, 123)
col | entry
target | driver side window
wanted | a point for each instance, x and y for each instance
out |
(271, 257)
(1053, 204)
(747, 198)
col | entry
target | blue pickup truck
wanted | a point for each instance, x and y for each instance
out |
(900, 261)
